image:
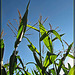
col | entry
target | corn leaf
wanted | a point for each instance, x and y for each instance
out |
(63, 58)
(65, 69)
(2, 49)
(69, 66)
(32, 47)
(18, 57)
(53, 71)
(51, 31)
(72, 71)
(47, 41)
(47, 33)
(36, 73)
(38, 68)
(6, 65)
(27, 73)
(13, 63)
(37, 60)
(32, 72)
(71, 56)
(22, 28)
(57, 38)
(32, 27)
(50, 58)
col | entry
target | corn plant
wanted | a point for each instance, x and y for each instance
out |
(51, 57)
(42, 65)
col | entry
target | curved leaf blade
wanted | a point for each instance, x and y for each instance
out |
(61, 61)
(22, 27)
(13, 63)
(32, 27)
(69, 66)
(47, 41)
(32, 47)
(57, 38)
(71, 56)
(50, 58)
(72, 71)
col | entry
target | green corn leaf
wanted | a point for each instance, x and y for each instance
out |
(13, 63)
(47, 41)
(19, 71)
(71, 56)
(63, 58)
(32, 72)
(36, 73)
(72, 71)
(50, 58)
(37, 60)
(6, 65)
(51, 31)
(18, 57)
(24, 19)
(27, 73)
(69, 66)
(32, 47)
(38, 68)
(2, 49)
(57, 38)
(22, 28)
(43, 36)
(55, 33)
(32, 27)
(47, 33)
(65, 69)
(19, 36)
(53, 71)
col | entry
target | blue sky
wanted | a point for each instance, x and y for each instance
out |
(59, 13)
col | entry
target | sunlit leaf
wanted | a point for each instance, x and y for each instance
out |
(71, 56)
(6, 65)
(32, 47)
(27, 73)
(63, 58)
(22, 28)
(47, 41)
(32, 27)
(72, 71)
(39, 69)
(49, 59)
(57, 38)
